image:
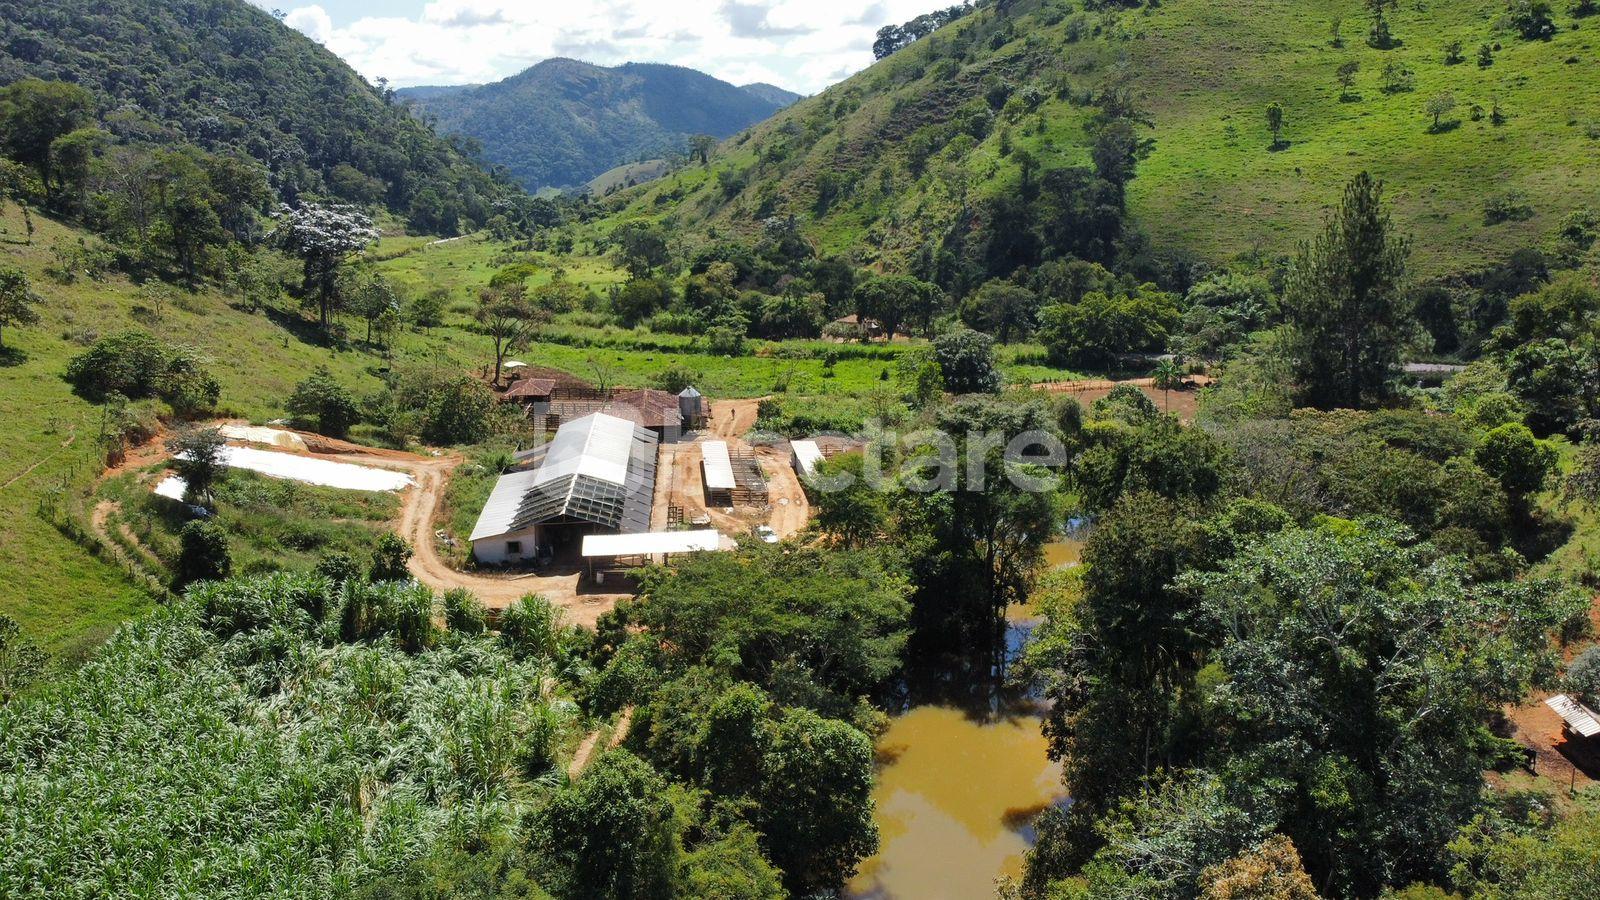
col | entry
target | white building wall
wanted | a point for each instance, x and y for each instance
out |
(496, 550)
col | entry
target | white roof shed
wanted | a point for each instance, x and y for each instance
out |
(807, 456)
(1581, 719)
(651, 542)
(718, 467)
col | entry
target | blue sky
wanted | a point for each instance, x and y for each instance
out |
(803, 45)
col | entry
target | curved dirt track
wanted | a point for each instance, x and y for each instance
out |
(419, 508)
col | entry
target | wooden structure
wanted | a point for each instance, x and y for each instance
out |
(750, 483)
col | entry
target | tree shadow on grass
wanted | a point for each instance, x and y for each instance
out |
(1279, 146)
(1445, 127)
(11, 356)
(304, 330)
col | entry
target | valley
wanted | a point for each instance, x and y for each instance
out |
(1084, 449)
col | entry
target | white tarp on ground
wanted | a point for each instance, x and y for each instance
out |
(256, 434)
(651, 542)
(347, 476)
(806, 457)
(718, 467)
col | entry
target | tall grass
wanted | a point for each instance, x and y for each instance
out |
(230, 745)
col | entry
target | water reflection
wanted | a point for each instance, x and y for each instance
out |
(963, 774)
(956, 804)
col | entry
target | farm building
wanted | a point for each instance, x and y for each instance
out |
(618, 552)
(717, 471)
(806, 456)
(597, 476)
(1579, 719)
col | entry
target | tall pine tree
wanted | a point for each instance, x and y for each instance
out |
(1346, 304)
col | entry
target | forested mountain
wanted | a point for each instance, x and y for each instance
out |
(227, 77)
(770, 93)
(960, 150)
(562, 122)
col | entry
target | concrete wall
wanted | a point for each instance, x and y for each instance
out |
(494, 551)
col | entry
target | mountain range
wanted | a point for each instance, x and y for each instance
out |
(228, 77)
(562, 122)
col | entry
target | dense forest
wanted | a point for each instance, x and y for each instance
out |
(562, 122)
(226, 78)
(1335, 477)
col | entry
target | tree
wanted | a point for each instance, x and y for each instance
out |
(895, 299)
(1117, 663)
(1002, 309)
(322, 401)
(700, 147)
(427, 308)
(1102, 326)
(1345, 303)
(203, 554)
(813, 626)
(389, 559)
(1361, 677)
(1532, 19)
(1167, 376)
(510, 321)
(1346, 74)
(1275, 123)
(966, 360)
(34, 114)
(1453, 54)
(612, 835)
(199, 459)
(814, 806)
(640, 248)
(1440, 105)
(17, 301)
(852, 515)
(371, 297)
(639, 299)
(919, 377)
(323, 237)
(1272, 871)
(1515, 458)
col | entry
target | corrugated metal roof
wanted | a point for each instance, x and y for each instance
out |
(718, 468)
(1578, 717)
(503, 503)
(599, 469)
(808, 455)
(651, 542)
(596, 445)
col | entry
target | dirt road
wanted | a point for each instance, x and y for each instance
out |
(418, 510)
(790, 510)
(1181, 401)
(734, 418)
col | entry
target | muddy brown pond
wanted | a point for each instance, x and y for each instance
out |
(958, 791)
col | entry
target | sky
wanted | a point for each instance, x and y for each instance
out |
(802, 45)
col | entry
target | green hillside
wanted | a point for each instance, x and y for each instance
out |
(885, 165)
(225, 76)
(562, 122)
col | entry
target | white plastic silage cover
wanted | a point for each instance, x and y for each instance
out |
(347, 476)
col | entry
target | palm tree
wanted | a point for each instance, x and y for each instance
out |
(1167, 376)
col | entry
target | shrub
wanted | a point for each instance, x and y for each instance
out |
(203, 553)
(463, 613)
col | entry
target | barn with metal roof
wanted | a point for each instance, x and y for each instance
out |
(597, 476)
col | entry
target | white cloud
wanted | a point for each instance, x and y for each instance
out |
(313, 21)
(803, 45)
